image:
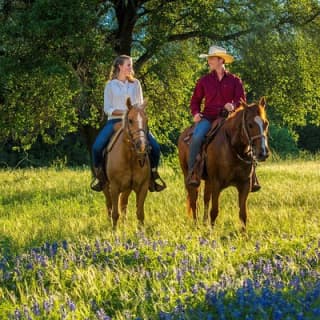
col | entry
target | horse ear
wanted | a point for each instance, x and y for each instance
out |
(262, 102)
(243, 103)
(129, 105)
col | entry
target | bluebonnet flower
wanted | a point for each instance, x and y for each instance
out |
(277, 315)
(17, 314)
(26, 313)
(316, 312)
(71, 305)
(136, 254)
(195, 289)
(47, 306)
(179, 275)
(65, 245)
(107, 247)
(164, 316)
(203, 241)
(29, 266)
(54, 248)
(101, 315)
(36, 308)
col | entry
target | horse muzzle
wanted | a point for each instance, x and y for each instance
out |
(262, 155)
(141, 147)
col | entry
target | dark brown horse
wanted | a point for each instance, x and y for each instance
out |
(230, 158)
(127, 165)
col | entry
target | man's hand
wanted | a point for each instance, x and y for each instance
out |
(197, 117)
(229, 107)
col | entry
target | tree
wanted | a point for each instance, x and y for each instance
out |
(55, 55)
(283, 64)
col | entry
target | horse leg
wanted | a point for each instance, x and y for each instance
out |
(215, 204)
(243, 191)
(123, 200)
(206, 200)
(114, 193)
(106, 191)
(140, 198)
(192, 201)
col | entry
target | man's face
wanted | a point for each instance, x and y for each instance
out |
(215, 63)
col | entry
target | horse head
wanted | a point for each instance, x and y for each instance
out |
(136, 125)
(255, 128)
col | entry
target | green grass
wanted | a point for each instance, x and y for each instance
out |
(135, 273)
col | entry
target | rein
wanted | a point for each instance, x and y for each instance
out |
(244, 128)
(133, 141)
(250, 153)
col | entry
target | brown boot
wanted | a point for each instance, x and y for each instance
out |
(99, 179)
(255, 185)
(193, 179)
(154, 185)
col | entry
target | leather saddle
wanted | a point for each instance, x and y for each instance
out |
(199, 167)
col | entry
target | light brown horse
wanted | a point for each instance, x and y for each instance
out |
(127, 165)
(230, 158)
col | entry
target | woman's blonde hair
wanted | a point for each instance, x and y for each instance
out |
(115, 68)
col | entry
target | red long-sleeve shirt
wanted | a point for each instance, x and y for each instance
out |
(216, 94)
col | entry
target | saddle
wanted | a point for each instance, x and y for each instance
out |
(118, 128)
(199, 168)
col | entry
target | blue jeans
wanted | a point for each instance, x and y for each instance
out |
(198, 136)
(104, 137)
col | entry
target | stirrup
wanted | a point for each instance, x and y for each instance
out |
(95, 185)
(255, 187)
(193, 180)
(154, 185)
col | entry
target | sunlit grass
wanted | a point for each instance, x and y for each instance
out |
(60, 259)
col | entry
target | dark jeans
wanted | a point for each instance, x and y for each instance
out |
(201, 129)
(103, 139)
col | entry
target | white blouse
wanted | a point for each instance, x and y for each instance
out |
(116, 93)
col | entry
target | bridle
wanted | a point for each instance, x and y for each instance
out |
(250, 153)
(135, 137)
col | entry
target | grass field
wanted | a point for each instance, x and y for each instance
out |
(60, 259)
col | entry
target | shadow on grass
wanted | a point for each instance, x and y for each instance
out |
(40, 196)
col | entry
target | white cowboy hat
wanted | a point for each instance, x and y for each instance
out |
(215, 51)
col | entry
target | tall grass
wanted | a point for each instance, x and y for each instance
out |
(60, 259)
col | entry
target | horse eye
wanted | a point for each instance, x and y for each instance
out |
(130, 121)
(250, 125)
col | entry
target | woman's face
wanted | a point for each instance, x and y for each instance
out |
(126, 68)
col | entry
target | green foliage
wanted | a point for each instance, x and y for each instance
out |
(309, 138)
(54, 56)
(283, 141)
(168, 85)
(39, 102)
(277, 65)
(53, 67)
(71, 151)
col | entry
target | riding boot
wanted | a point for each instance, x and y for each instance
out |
(255, 186)
(154, 185)
(99, 179)
(193, 179)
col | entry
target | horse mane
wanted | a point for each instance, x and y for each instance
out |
(236, 118)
